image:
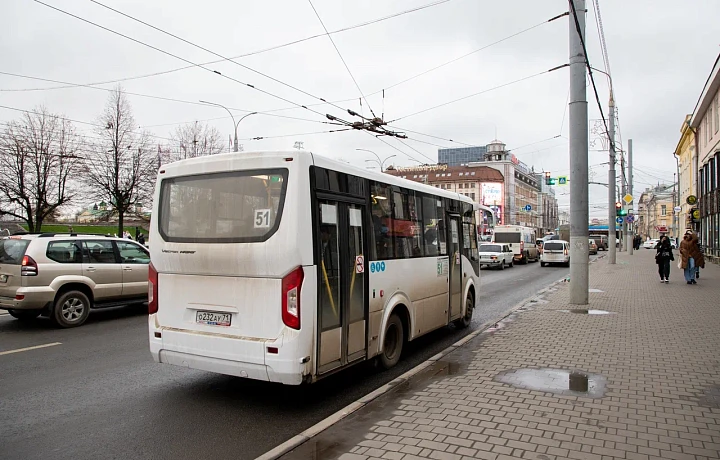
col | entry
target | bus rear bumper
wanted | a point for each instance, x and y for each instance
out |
(228, 356)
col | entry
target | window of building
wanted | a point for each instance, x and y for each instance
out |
(717, 112)
(473, 173)
(663, 210)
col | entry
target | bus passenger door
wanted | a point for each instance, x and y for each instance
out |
(341, 291)
(455, 255)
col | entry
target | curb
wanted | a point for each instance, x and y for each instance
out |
(326, 423)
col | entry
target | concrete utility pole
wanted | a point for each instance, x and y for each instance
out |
(623, 192)
(629, 235)
(612, 251)
(578, 113)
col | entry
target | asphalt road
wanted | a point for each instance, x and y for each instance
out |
(98, 395)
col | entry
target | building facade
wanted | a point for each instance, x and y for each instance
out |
(461, 156)
(705, 121)
(655, 212)
(686, 156)
(483, 185)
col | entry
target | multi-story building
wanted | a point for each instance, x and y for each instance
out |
(496, 179)
(523, 187)
(655, 211)
(461, 156)
(547, 207)
(686, 156)
(484, 185)
(705, 121)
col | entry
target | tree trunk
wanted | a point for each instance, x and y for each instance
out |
(121, 216)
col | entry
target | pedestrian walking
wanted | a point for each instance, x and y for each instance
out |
(691, 256)
(663, 256)
(141, 239)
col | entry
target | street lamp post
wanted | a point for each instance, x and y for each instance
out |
(380, 162)
(235, 141)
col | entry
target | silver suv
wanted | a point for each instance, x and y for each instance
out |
(63, 276)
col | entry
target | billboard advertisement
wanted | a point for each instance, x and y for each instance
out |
(492, 193)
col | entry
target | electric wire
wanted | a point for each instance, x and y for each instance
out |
(252, 53)
(342, 58)
(248, 85)
(216, 54)
(471, 95)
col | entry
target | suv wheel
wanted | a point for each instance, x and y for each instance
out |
(24, 315)
(71, 309)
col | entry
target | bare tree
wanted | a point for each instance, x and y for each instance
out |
(194, 140)
(38, 156)
(124, 167)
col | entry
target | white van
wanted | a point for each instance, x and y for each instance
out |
(520, 239)
(555, 252)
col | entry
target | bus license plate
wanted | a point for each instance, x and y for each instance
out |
(213, 319)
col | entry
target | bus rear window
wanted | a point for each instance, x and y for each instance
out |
(229, 207)
(509, 238)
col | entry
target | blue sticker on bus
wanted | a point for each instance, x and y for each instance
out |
(377, 267)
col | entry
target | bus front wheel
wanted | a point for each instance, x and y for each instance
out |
(393, 342)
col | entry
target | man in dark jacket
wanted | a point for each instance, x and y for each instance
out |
(663, 257)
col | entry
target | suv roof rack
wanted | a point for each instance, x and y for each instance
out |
(50, 235)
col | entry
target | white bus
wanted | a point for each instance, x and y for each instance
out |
(287, 267)
(521, 239)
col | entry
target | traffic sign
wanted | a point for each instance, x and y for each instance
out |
(677, 209)
(696, 214)
(628, 198)
(562, 180)
(527, 208)
(691, 200)
(619, 220)
(630, 219)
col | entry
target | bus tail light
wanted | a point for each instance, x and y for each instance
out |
(522, 246)
(28, 267)
(291, 285)
(152, 289)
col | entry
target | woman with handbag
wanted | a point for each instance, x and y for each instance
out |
(663, 257)
(691, 256)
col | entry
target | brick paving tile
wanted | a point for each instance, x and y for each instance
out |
(657, 352)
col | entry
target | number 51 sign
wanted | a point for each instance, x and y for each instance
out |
(262, 218)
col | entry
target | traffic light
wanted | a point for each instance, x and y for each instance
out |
(547, 178)
(619, 211)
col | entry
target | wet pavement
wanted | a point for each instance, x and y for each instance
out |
(638, 380)
(558, 381)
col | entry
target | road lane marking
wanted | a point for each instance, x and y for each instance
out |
(29, 348)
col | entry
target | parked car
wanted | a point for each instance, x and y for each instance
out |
(601, 241)
(650, 244)
(592, 247)
(496, 255)
(64, 276)
(555, 252)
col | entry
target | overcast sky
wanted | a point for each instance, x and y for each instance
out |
(660, 53)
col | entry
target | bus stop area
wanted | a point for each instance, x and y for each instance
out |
(633, 375)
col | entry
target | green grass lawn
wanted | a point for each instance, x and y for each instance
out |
(102, 229)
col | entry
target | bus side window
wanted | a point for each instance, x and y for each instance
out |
(430, 226)
(382, 230)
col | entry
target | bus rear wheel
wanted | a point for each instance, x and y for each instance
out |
(465, 321)
(393, 342)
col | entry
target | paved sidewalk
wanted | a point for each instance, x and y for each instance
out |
(653, 388)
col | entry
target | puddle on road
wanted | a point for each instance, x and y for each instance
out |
(588, 312)
(558, 381)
